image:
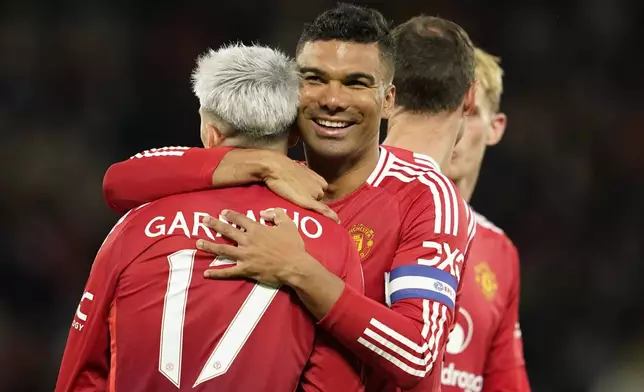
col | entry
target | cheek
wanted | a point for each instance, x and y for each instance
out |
(370, 104)
(307, 95)
(474, 134)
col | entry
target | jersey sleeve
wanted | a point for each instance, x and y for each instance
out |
(157, 173)
(406, 339)
(85, 366)
(505, 365)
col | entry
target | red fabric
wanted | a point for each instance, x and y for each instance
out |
(149, 175)
(151, 322)
(408, 218)
(486, 350)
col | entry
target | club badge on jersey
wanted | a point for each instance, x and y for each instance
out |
(486, 280)
(363, 236)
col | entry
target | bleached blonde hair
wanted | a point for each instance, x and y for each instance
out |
(489, 74)
(253, 90)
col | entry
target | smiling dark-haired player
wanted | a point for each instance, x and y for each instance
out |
(410, 224)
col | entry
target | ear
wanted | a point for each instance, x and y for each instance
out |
(497, 128)
(214, 137)
(469, 103)
(389, 102)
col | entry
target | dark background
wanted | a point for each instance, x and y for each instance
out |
(85, 84)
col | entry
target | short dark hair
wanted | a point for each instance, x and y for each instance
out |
(352, 23)
(434, 64)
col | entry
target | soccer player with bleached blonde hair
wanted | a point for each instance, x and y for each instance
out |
(485, 349)
(148, 320)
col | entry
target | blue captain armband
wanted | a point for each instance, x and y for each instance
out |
(421, 282)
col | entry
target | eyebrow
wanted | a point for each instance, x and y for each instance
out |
(312, 70)
(361, 75)
(351, 76)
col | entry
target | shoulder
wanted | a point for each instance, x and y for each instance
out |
(423, 190)
(120, 238)
(487, 229)
(494, 239)
(411, 175)
(485, 224)
(163, 152)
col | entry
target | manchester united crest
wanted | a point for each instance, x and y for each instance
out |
(363, 237)
(486, 280)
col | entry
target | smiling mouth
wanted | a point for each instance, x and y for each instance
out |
(332, 124)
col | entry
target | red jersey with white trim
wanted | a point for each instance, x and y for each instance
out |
(410, 224)
(412, 230)
(149, 321)
(485, 349)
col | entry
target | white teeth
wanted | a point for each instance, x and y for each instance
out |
(332, 124)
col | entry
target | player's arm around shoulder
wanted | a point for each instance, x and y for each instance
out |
(167, 171)
(158, 172)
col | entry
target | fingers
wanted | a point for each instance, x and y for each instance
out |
(321, 182)
(225, 229)
(238, 219)
(234, 272)
(277, 216)
(228, 251)
(325, 210)
(315, 184)
(318, 179)
(318, 207)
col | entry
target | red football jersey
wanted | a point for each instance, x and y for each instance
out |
(412, 230)
(485, 349)
(149, 321)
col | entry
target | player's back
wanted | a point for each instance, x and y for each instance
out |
(171, 329)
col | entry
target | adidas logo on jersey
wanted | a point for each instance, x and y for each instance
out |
(468, 382)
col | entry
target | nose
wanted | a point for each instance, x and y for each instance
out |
(334, 98)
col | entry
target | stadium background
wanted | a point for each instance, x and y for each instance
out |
(84, 84)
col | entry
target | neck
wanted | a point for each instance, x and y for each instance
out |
(344, 174)
(467, 184)
(429, 134)
(280, 145)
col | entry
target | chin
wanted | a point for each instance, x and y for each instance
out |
(330, 148)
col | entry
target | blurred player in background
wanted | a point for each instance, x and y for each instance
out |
(486, 341)
(409, 223)
(434, 71)
(148, 321)
(485, 349)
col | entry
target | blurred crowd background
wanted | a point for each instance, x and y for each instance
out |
(85, 84)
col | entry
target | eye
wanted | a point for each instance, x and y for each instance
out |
(356, 83)
(312, 79)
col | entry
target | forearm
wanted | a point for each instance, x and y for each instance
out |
(379, 336)
(154, 174)
(241, 167)
(318, 289)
